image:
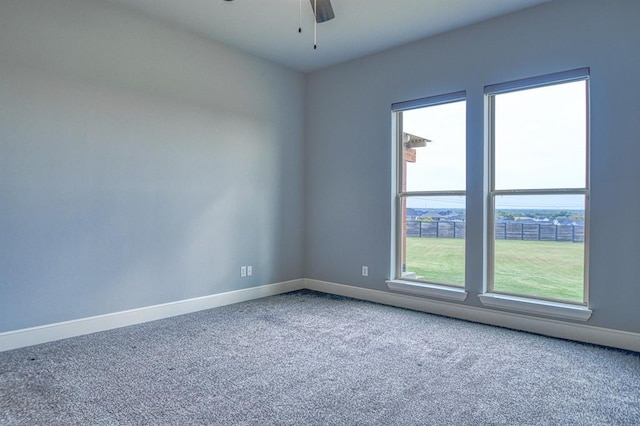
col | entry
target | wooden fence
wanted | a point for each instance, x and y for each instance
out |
(504, 231)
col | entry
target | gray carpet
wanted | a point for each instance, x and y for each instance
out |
(309, 358)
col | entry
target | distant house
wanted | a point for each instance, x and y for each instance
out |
(504, 220)
(431, 215)
(526, 220)
(413, 214)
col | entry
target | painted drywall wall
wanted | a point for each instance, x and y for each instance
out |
(138, 164)
(348, 190)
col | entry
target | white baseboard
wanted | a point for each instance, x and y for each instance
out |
(554, 328)
(62, 330)
(548, 327)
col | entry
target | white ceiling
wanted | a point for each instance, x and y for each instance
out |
(269, 28)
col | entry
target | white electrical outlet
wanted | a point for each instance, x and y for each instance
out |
(365, 271)
(249, 270)
(243, 271)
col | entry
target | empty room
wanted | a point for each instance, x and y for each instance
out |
(319, 212)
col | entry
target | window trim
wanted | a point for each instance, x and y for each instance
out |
(562, 77)
(429, 101)
(422, 288)
(529, 303)
(397, 282)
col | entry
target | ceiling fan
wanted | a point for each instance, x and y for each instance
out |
(323, 11)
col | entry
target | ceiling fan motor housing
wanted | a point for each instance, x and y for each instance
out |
(324, 10)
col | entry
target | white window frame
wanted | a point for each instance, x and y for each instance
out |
(526, 303)
(399, 283)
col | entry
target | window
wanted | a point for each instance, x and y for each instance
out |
(539, 187)
(430, 193)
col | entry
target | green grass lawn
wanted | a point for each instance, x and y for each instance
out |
(546, 269)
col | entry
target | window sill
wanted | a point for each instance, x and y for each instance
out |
(428, 290)
(537, 307)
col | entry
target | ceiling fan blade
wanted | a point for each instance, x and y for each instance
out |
(324, 12)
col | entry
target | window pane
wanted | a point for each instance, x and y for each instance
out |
(539, 246)
(433, 240)
(540, 137)
(435, 147)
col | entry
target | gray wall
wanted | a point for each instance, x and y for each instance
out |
(349, 133)
(138, 164)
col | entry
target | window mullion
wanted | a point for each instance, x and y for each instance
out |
(431, 193)
(568, 191)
